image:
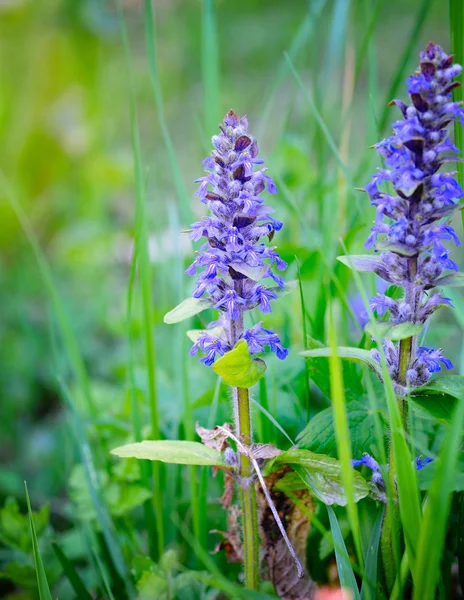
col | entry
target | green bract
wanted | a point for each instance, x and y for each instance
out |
(238, 368)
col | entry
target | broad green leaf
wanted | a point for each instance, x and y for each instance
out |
(194, 334)
(438, 398)
(238, 368)
(445, 385)
(172, 451)
(318, 371)
(439, 407)
(427, 475)
(186, 309)
(451, 280)
(391, 331)
(42, 583)
(319, 435)
(357, 355)
(14, 526)
(345, 570)
(322, 475)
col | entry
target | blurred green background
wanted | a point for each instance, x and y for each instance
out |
(66, 158)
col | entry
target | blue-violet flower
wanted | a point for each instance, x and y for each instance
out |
(233, 259)
(412, 216)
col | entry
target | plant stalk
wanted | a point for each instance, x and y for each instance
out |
(247, 491)
(244, 432)
(392, 517)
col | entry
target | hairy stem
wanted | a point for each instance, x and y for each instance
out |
(391, 524)
(247, 491)
(243, 430)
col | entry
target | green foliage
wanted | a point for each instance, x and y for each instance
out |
(321, 474)
(390, 331)
(42, 583)
(15, 526)
(186, 309)
(172, 451)
(319, 435)
(238, 369)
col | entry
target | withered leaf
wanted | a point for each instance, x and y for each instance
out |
(279, 567)
(263, 451)
(215, 438)
(231, 543)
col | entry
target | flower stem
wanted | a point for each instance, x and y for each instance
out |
(247, 490)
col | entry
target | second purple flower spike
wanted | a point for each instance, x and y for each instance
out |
(413, 211)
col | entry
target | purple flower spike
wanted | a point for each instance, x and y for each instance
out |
(232, 259)
(411, 228)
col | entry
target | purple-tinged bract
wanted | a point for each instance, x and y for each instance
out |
(234, 259)
(413, 209)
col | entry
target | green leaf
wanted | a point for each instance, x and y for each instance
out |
(357, 355)
(318, 370)
(391, 331)
(42, 583)
(319, 435)
(451, 280)
(23, 575)
(172, 451)
(254, 273)
(369, 584)
(322, 475)
(345, 570)
(427, 475)
(71, 573)
(186, 309)
(362, 262)
(402, 249)
(238, 368)
(445, 385)
(438, 398)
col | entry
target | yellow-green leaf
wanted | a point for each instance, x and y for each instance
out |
(238, 368)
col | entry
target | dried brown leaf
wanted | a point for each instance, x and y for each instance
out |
(215, 438)
(263, 451)
(231, 542)
(279, 566)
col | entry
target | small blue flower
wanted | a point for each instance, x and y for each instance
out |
(422, 462)
(432, 359)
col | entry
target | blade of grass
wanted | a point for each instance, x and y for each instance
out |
(145, 278)
(42, 583)
(151, 41)
(400, 72)
(70, 572)
(342, 435)
(210, 65)
(345, 570)
(434, 526)
(372, 559)
(456, 9)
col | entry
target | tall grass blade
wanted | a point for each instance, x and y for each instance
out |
(400, 72)
(72, 575)
(151, 41)
(372, 559)
(42, 583)
(345, 570)
(145, 278)
(456, 9)
(342, 435)
(437, 505)
(210, 64)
